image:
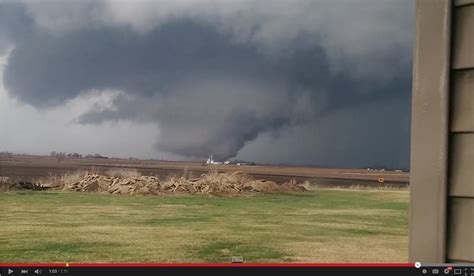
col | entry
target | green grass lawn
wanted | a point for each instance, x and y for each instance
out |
(324, 225)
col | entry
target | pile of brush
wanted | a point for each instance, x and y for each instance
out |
(210, 183)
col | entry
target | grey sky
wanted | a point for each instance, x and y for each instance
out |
(292, 81)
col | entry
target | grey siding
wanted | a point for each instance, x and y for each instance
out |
(463, 2)
(462, 98)
(463, 36)
(460, 240)
(461, 178)
(442, 168)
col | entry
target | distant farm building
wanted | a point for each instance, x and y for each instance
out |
(210, 161)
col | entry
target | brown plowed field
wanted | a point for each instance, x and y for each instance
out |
(34, 167)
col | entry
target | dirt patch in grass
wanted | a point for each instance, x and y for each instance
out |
(223, 251)
(172, 221)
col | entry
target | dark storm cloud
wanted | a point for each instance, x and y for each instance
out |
(349, 137)
(207, 94)
(215, 88)
(108, 58)
(14, 24)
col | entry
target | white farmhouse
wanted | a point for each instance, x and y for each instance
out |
(210, 161)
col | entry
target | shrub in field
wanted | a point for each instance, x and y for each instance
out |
(63, 180)
(123, 173)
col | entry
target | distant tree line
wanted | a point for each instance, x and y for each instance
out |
(6, 154)
(98, 156)
(62, 155)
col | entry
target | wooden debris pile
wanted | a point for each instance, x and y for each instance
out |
(210, 183)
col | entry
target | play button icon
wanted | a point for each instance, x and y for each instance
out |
(10, 271)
